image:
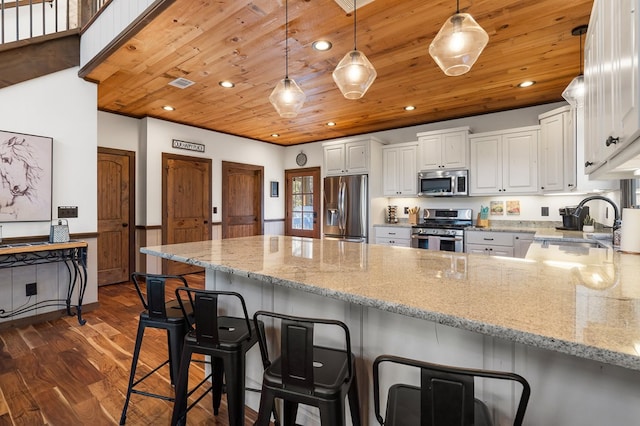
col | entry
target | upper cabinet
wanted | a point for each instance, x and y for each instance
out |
(399, 175)
(444, 149)
(557, 151)
(612, 115)
(504, 162)
(346, 157)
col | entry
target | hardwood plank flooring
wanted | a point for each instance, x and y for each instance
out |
(60, 373)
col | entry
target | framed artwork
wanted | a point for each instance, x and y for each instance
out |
(274, 189)
(497, 208)
(25, 177)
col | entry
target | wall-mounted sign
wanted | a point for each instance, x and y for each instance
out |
(189, 146)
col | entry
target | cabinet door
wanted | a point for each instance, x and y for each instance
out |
(407, 174)
(430, 152)
(520, 162)
(477, 249)
(390, 172)
(501, 251)
(357, 155)
(592, 99)
(486, 165)
(454, 150)
(521, 243)
(552, 161)
(334, 159)
(627, 105)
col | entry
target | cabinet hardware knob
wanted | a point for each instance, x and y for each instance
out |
(542, 187)
(611, 140)
(570, 185)
(588, 163)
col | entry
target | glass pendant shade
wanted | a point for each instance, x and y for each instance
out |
(287, 98)
(458, 44)
(574, 93)
(354, 75)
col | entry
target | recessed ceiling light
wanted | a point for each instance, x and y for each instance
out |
(409, 108)
(275, 135)
(526, 83)
(168, 108)
(321, 45)
(226, 84)
(331, 123)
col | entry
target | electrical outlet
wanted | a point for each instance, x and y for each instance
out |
(31, 289)
(215, 210)
(66, 212)
(406, 210)
(544, 211)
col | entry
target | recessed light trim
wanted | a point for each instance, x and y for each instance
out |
(331, 123)
(321, 45)
(168, 108)
(409, 108)
(226, 84)
(526, 83)
(275, 135)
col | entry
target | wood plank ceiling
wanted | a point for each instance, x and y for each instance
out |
(207, 41)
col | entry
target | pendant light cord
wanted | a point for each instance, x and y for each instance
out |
(581, 60)
(457, 6)
(354, 25)
(286, 39)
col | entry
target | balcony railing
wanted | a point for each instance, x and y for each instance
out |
(24, 19)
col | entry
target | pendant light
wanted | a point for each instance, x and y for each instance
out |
(458, 44)
(287, 97)
(354, 73)
(574, 93)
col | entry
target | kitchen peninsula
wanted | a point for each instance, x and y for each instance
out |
(575, 338)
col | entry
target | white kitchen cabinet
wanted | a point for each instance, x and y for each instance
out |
(399, 175)
(350, 157)
(612, 94)
(521, 243)
(557, 151)
(504, 162)
(444, 149)
(494, 243)
(393, 236)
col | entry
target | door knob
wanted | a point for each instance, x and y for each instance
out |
(124, 225)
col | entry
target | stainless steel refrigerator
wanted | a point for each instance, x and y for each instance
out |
(345, 207)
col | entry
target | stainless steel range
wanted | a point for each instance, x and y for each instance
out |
(441, 229)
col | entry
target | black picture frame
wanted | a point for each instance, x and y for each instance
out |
(275, 189)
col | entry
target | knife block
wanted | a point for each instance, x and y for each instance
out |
(413, 218)
(482, 223)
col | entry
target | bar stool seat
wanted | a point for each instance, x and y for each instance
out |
(226, 340)
(305, 373)
(162, 314)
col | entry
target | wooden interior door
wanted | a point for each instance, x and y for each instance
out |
(116, 219)
(242, 206)
(302, 201)
(186, 205)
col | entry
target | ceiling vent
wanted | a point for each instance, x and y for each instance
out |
(181, 83)
(347, 5)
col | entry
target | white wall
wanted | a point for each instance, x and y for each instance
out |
(61, 106)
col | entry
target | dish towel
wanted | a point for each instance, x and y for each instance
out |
(434, 243)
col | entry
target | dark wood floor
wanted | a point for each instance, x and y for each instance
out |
(61, 373)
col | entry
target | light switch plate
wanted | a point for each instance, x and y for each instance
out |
(66, 212)
(544, 211)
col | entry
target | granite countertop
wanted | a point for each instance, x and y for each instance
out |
(584, 303)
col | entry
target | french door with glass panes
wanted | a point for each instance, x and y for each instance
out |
(302, 189)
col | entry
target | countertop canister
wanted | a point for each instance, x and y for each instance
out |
(630, 238)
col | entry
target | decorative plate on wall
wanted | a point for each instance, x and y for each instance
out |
(301, 159)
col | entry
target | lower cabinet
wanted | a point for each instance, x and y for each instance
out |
(393, 236)
(493, 243)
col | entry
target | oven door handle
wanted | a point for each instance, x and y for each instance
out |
(443, 238)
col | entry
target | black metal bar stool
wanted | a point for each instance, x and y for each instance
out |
(306, 373)
(226, 340)
(158, 313)
(445, 396)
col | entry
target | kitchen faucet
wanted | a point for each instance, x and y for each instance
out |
(616, 212)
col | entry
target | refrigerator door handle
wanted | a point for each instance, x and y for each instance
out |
(342, 195)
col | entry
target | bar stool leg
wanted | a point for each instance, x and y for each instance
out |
(217, 367)
(332, 413)
(354, 404)
(175, 340)
(267, 399)
(132, 375)
(290, 412)
(235, 364)
(179, 416)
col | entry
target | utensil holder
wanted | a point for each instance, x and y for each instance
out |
(413, 218)
(482, 223)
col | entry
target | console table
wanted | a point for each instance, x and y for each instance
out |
(73, 254)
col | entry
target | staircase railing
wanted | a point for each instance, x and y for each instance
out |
(24, 19)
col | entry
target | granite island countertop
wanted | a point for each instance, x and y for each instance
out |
(585, 304)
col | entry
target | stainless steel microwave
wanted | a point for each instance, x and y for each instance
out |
(443, 183)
